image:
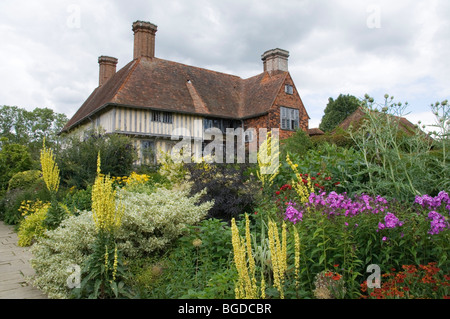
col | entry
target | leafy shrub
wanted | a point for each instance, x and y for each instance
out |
(14, 158)
(78, 160)
(78, 200)
(32, 227)
(397, 158)
(299, 144)
(25, 180)
(230, 186)
(342, 166)
(197, 265)
(338, 136)
(12, 200)
(150, 223)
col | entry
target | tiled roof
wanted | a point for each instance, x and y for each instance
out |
(355, 119)
(160, 84)
(315, 131)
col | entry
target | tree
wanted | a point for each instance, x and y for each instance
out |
(14, 158)
(337, 111)
(29, 128)
(78, 159)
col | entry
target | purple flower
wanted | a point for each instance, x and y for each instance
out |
(384, 238)
(391, 221)
(293, 214)
(427, 201)
(437, 223)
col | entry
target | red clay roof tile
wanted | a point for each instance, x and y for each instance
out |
(160, 84)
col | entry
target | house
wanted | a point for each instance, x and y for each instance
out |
(150, 97)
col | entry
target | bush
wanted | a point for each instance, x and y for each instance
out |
(197, 265)
(12, 200)
(55, 254)
(150, 223)
(337, 168)
(78, 200)
(230, 186)
(338, 136)
(298, 144)
(397, 164)
(32, 227)
(78, 160)
(14, 158)
(24, 180)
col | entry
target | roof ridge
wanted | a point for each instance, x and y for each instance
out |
(201, 68)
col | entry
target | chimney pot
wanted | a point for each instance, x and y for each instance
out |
(107, 68)
(275, 60)
(144, 39)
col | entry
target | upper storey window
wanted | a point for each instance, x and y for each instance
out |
(289, 89)
(289, 118)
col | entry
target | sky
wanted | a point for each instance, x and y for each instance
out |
(49, 49)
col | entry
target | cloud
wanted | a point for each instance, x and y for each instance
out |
(349, 47)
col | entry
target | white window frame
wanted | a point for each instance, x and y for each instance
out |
(289, 89)
(289, 118)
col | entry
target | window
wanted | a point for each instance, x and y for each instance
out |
(289, 89)
(164, 117)
(289, 118)
(167, 118)
(248, 136)
(148, 152)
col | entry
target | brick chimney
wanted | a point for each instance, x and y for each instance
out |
(144, 39)
(107, 68)
(275, 60)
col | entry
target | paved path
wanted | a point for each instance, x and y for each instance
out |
(14, 266)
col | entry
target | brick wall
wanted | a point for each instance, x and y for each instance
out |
(272, 119)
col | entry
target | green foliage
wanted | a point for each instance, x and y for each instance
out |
(32, 227)
(196, 266)
(338, 110)
(78, 200)
(338, 136)
(154, 220)
(103, 272)
(30, 127)
(23, 180)
(298, 144)
(398, 165)
(12, 199)
(151, 223)
(14, 158)
(56, 213)
(338, 164)
(78, 160)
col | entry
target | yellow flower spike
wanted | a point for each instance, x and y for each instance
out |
(249, 246)
(297, 257)
(107, 216)
(245, 287)
(277, 257)
(115, 263)
(50, 170)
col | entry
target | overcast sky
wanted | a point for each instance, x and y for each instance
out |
(49, 49)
